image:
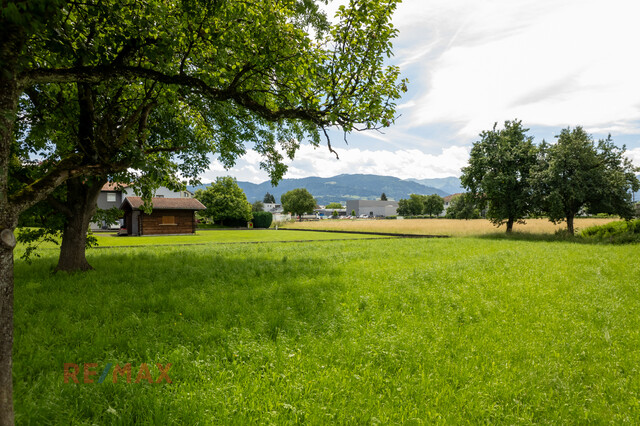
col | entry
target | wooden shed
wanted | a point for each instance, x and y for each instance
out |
(169, 216)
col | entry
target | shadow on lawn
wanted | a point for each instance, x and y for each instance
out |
(196, 298)
(560, 236)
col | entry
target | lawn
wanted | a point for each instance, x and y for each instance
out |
(106, 240)
(451, 227)
(360, 331)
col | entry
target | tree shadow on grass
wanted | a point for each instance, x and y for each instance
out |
(139, 301)
(561, 236)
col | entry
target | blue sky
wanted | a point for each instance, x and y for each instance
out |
(550, 63)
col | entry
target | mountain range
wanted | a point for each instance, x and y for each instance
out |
(350, 186)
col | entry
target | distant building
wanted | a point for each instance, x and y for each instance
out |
(328, 213)
(373, 208)
(276, 210)
(447, 202)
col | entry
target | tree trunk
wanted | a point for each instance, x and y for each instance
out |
(510, 225)
(6, 332)
(10, 42)
(570, 223)
(82, 198)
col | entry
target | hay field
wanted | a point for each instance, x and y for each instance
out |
(451, 227)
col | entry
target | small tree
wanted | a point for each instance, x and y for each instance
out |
(298, 201)
(383, 197)
(353, 212)
(269, 199)
(498, 174)
(433, 205)
(462, 206)
(257, 206)
(225, 201)
(333, 206)
(334, 214)
(575, 173)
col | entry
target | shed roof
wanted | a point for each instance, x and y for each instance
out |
(160, 203)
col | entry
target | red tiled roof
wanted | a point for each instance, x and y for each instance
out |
(448, 198)
(113, 186)
(160, 203)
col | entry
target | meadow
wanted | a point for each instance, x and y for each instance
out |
(415, 331)
(450, 227)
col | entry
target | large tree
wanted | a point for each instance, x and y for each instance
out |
(576, 173)
(277, 65)
(498, 174)
(298, 201)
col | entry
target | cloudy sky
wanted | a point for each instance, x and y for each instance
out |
(550, 63)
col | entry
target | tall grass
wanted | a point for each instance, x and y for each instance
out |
(451, 227)
(370, 331)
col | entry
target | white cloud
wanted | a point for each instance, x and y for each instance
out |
(403, 164)
(548, 62)
(634, 156)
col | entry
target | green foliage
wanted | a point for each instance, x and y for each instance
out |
(107, 216)
(225, 202)
(247, 325)
(627, 231)
(575, 173)
(298, 201)
(413, 206)
(353, 213)
(463, 206)
(334, 214)
(499, 171)
(262, 219)
(269, 199)
(257, 206)
(383, 197)
(433, 205)
(333, 206)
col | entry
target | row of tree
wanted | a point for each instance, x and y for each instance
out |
(226, 203)
(416, 205)
(512, 178)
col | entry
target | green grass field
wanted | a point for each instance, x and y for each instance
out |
(360, 331)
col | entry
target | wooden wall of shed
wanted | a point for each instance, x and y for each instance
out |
(152, 224)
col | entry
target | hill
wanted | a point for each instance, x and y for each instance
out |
(340, 188)
(450, 185)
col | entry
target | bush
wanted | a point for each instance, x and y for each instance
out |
(262, 219)
(618, 232)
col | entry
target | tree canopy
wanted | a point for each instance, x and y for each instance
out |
(413, 206)
(269, 199)
(225, 201)
(433, 205)
(498, 174)
(575, 173)
(298, 201)
(333, 206)
(463, 206)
